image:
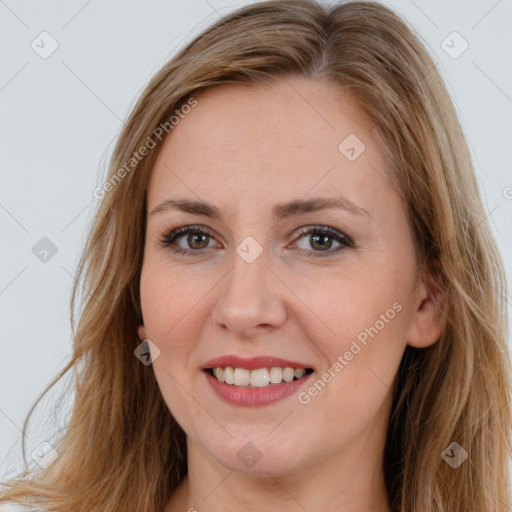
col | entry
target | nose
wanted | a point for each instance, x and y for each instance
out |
(251, 298)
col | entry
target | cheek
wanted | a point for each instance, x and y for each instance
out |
(171, 303)
(169, 299)
(346, 305)
(353, 389)
(360, 330)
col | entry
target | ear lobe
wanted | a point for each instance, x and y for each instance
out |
(141, 331)
(429, 318)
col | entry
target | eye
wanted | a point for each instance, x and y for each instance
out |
(322, 239)
(193, 239)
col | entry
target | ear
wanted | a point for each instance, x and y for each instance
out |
(428, 319)
(141, 331)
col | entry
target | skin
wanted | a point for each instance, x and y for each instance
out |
(245, 148)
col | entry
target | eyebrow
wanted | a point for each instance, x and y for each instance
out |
(280, 211)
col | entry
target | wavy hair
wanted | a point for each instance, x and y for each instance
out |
(112, 454)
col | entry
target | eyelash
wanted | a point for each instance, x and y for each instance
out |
(167, 239)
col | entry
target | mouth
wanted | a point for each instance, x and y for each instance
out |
(256, 387)
(257, 378)
(255, 381)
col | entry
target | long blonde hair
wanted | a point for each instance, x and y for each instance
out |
(122, 449)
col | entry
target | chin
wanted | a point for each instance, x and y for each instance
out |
(257, 454)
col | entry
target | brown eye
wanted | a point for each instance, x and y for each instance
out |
(321, 242)
(189, 240)
(192, 240)
(197, 241)
(322, 239)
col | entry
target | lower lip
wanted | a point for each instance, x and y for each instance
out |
(255, 397)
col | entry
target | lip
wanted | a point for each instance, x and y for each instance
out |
(255, 397)
(253, 363)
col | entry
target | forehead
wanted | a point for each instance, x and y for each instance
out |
(253, 143)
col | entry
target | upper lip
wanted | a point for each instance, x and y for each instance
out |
(252, 363)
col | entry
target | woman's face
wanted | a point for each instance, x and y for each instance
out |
(343, 303)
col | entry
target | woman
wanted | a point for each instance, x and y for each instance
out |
(222, 362)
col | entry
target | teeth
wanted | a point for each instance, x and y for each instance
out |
(276, 375)
(258, 378)
(288, 374)
(299, 372)
(229, 377)
(241, 377)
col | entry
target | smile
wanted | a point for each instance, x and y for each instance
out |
(255, 381)
(257, 378)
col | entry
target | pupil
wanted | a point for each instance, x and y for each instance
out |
(192, 240)
(323, 239)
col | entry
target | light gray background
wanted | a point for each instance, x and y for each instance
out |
(60, 116)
